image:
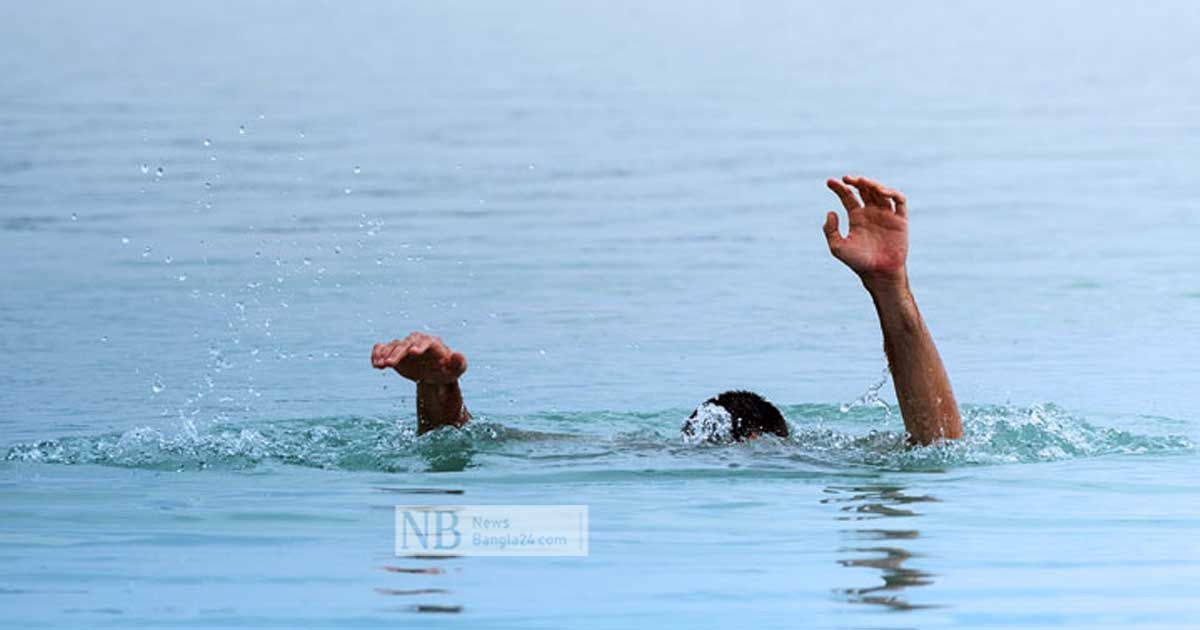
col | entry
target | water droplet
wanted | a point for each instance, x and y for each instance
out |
(207, 142)
(357, 170)
(241, 130)
(157, 386)
(208, 184)
(183, 277)
(74, 217)
(542, 352)
(145, 168)
(378, 261)
(307, 261)
(146, 252)
(124, 240)
(337, 249)
(104, 339)
(168, 260)
(347, 191)
(301, 135)
(159, 172)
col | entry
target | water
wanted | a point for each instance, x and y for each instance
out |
(208, 216)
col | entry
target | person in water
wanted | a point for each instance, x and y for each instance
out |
(875, 248)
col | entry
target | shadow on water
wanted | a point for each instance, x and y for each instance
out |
(424, 567)
(880, 548)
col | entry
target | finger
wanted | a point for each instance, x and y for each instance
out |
(833, 235)
(396, 355)
(871, 191)
(900, 199)
(376, 351)
(384, 349)
(438, 349)
(397, 347)
(864, 190)
(849, 201)
(879, 193)
(421, 345)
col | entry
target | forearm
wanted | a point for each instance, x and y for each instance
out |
(922, 386)
(440, 405)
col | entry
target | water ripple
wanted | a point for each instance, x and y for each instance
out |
(823, 438)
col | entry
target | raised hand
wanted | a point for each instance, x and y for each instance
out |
(876, 246)
(420, 358)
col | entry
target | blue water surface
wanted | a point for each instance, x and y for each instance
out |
(210, 212)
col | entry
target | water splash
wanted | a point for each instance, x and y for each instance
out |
(822, 436)
(871, 397)
(991, 435)
(709, 423)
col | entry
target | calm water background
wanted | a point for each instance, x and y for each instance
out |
(208, 213)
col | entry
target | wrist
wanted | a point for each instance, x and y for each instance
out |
(439, 405)
(435, 388)
(886, 283)
(894, 302)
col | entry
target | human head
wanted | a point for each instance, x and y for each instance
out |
(736, 416)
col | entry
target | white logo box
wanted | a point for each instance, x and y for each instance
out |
(492, 530)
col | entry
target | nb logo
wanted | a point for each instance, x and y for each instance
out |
(428, 530)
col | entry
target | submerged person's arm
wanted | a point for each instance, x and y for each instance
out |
(435, 369)
(876, 249)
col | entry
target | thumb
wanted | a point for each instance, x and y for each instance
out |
(832, 235)
(457, 363)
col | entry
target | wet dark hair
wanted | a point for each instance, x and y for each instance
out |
(748, 414)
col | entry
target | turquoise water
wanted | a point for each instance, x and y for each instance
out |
(614, 211)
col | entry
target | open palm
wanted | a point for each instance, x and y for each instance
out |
(877, 243)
